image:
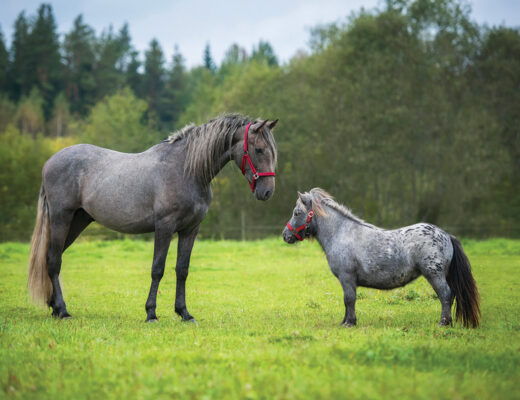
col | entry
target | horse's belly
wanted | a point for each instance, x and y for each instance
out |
(122, 217)
(387, 275)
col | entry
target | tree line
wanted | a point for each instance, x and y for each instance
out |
(408, 113)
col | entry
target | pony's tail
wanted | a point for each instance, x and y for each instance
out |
(38, 282)
(463, 286)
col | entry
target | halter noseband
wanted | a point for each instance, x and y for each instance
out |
(245, 158)
(296, 231)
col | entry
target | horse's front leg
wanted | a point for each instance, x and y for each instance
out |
(163, 236)
(349, 298)
(186, 240)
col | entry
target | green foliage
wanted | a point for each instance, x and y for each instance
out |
(264, 53)
(116, 123)
(268, 327)
(29, 117)
(7, 112)
(22, 158)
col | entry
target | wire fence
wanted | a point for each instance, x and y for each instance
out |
(246, 232)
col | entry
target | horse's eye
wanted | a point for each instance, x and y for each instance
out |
(259, 151)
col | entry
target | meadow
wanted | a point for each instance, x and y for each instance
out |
(267, 327)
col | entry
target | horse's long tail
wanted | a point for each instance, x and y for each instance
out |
(38, 282)
(463, 287)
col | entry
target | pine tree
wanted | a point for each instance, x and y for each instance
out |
(134, 79)
(20, 66)
(153, 77)
(112, 55)
(208, 60)
(80, 59)
(4, 65)
(174, 100)
(44, 55)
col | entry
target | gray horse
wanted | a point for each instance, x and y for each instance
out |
(361, 254)
(165, 189)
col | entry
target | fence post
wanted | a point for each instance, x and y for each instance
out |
(243, 224)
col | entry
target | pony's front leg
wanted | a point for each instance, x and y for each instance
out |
(185, 245)
(349, 298)
(163, 236)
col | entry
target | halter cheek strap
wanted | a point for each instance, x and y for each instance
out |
(246, 157)
(296, 231)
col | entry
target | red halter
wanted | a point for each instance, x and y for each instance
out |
(245, 158)
(302, 227)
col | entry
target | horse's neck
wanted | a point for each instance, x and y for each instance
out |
(219, 163)
(329, 227)
(227, 155)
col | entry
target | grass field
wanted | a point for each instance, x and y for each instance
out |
(268, 327)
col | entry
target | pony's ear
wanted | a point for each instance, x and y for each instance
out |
(272, 124)
(305, 199)
(258, 125)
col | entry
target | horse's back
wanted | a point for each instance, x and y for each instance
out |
(115, 188)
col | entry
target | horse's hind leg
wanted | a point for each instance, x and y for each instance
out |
(438, 281)
(60, 224)
(79, 222)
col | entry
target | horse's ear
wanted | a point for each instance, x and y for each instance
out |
(258, 125)
(305, 199)
(272, 124)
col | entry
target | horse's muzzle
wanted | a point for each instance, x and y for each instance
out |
(263, 194)
(288, 237)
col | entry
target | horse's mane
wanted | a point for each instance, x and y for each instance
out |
(207, 142)
(322, 198)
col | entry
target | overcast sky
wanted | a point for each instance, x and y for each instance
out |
(192, 24)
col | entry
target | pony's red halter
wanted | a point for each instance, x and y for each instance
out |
(296, 231)
(245, 158)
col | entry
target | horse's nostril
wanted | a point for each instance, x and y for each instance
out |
(267, 194)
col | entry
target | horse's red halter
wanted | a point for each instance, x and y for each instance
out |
(245, 158)
(301, 227)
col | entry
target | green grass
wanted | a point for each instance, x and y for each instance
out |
(268, 316)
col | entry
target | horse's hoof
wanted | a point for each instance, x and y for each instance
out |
(348, 325)
(65, 315)
(189, 321)
(152, 320)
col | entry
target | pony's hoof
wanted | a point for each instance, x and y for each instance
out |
(445, 322)
(152, 320)
(348, 325)
(65, 315)
(189, 321)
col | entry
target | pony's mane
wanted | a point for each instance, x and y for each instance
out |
(206, 143)
(322, 198)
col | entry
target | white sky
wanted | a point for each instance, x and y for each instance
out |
(192, 24)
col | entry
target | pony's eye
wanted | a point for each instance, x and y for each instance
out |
(259, 151)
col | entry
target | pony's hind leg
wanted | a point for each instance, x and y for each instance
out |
(60, 224)
(443, 291)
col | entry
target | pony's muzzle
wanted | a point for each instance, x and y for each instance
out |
(288, 237)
